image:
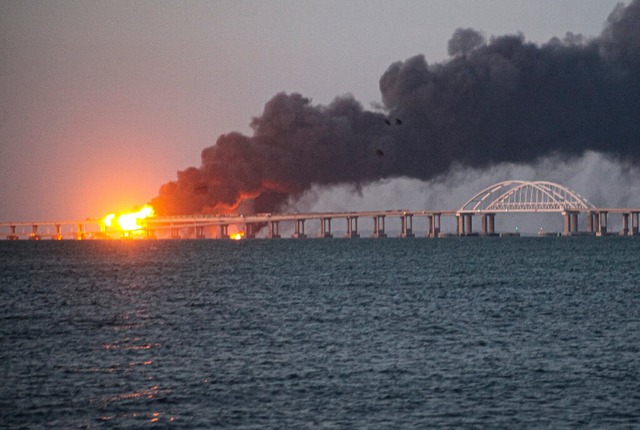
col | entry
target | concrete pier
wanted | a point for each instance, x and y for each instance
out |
(250, 231)
(378, 227)
(81, 234)
(625, 225)
(325, 228)
(299, 230)
(175, 233)
(602, 223)
(34, 233)
(593, 222)
(630, 229)
(488, 224)
(352, 227)
(570, 223)
(434, 225)
(274, 230)
(58, 234)
(12, 235)
(465, 224)
(200, 233)
(224, 231)
(406, 225)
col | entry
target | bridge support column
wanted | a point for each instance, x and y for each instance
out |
(249, 231)
(488, 224)
(602, 224)
(80, 234)
(468, 224)
(465, 225)
(34, 233)
(199, 232)
(58, 234)
(274, 230)
(12, 235)
(299, 230)
(570, 223)
(625, 225)
(151, 234)
(634, 223)
(175, 233)
(407, 225)
(224, 231)
(352, 227)
(378, 227)
(591, 222)
(325, 228)
(434, 225)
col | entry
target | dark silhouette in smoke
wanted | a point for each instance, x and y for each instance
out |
(501, 100)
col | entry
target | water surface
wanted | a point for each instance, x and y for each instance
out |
(419, 333)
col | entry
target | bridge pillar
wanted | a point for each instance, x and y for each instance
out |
(34, 233)
(199, 232)
(352, 227)
(58, 234)
(465, 225)
(434, 225)
(468, 224)
(590, 222)
(299, 230)
(12, 235)
(602, 227)
(249, 231)
(274, 230)
(625, 225)
(378, 227)
(570, 222)
(81, 235)
(224, 231)
(325, 228)
(634, 223)
(488, 224)
(151, 234)
(407, 225)
(574, 222)
(175, 233)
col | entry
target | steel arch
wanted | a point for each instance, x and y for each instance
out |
(526, 196)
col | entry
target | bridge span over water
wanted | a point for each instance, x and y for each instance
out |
(503, 198)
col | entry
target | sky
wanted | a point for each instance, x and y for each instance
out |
(102, 102)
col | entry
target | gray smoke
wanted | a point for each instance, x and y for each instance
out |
(496, 101)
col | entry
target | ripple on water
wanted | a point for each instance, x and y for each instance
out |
(304, 334)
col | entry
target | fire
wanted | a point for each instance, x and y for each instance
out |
(237, 236)
(129, 222)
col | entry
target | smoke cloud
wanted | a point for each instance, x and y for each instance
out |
(502, 100)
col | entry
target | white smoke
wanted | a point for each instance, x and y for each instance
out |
(601, 179)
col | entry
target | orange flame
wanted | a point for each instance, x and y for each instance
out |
(129, 221)
(237, 236)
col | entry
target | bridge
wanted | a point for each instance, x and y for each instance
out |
(502, 198)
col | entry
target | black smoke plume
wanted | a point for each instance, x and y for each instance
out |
(492, 101)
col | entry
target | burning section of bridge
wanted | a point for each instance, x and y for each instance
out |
(129, 224)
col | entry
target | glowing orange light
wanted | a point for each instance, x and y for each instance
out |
(129, 222)
(237, 236)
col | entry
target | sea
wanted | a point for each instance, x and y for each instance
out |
(455, 333)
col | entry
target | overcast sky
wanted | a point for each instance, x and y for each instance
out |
(101, 102)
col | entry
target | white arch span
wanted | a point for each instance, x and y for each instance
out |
(526, 196)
